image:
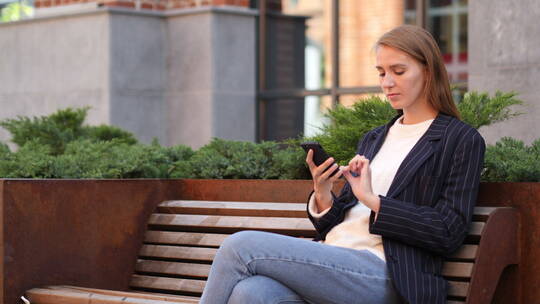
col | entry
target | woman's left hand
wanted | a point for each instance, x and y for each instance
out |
(361, 183)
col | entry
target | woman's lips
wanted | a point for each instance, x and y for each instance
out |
(392, 96)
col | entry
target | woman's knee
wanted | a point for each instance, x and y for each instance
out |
(238, 242)
(241, 239)
(262, 290)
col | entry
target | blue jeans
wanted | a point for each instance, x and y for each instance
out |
(254, 267)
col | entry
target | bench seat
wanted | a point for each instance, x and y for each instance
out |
(183, 236)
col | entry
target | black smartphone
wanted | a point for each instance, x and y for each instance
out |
(319, 155)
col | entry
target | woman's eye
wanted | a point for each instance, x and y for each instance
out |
(381, 75)
(400, 72)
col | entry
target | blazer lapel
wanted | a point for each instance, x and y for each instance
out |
(421, 151)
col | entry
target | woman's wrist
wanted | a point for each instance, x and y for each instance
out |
(373, 202)
(323, 200)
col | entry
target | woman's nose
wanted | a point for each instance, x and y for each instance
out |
(387, 81)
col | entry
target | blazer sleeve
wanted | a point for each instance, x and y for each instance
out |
(439, 227)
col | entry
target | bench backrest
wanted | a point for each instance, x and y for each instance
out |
(183, 237)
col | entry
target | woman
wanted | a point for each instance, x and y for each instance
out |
(408, 201)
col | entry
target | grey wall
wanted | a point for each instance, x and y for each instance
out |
(182, 77)
(211, 76)
(54, 63)
(504, 54)
(137, 72)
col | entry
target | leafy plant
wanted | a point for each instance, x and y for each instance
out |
(61, 128)
(479, 109)
(32, 160)
(16, 11)
(243, 160)
(511, 160)
(348, 125)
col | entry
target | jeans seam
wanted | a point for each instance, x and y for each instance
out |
(333, 267)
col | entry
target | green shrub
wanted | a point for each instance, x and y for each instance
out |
(61, 128)
(243, 160)
(32, 160)
(116, 159)
(479, 109)
(54, 130)
(348, 125)
(510, 160)
(107, 133)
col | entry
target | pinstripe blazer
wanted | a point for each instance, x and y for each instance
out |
(428, 208)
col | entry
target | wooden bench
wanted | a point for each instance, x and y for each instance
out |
(183, 237)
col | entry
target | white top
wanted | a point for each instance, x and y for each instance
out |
(353, 232)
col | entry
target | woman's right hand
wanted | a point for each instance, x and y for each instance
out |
(322, 182)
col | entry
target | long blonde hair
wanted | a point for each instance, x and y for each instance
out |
(420, 45)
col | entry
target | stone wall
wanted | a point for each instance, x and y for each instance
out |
(504, 54)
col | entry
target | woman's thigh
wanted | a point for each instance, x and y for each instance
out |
(317, 272)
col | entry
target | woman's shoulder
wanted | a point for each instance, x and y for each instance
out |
(460, 130)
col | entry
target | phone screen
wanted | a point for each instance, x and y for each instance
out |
(319, 154)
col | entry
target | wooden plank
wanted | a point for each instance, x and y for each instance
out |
(173, 268)
(48, 296)
(457, 289)
(457, 270)
(129, 295)
(476, 228)
(184, 238)
(178, 252)
(291, 226)
(482, 213)
(234, 208)
(167, 284)
(465, 252)
(70, 296)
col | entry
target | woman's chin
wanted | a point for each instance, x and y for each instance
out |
(395, 105)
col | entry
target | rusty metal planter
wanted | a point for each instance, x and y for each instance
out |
(88, 232)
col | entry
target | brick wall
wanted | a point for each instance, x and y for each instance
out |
(362, 22)
(153, 4)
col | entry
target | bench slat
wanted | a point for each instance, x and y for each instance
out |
(291, 226)
(127, 294)
(178, 252)
(465, 252)
(71, 296)
(458, 289)
(234, 208)
(476, 228)
(457, 269)
(184, 238)
(173, 268)
(167, 284)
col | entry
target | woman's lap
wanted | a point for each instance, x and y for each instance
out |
(317, 272)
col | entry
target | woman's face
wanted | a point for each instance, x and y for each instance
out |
(401, 78)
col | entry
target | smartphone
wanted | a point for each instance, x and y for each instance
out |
(319, 155)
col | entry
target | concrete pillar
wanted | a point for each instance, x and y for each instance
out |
(504, 44)
(211, 75)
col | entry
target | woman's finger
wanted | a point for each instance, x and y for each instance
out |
(329, 171)
(347, 175)
(309, 160)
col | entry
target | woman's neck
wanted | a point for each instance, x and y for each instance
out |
(419, 114)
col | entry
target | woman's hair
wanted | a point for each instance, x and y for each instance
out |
(420, 45)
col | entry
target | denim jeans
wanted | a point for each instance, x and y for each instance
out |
(254, 267)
